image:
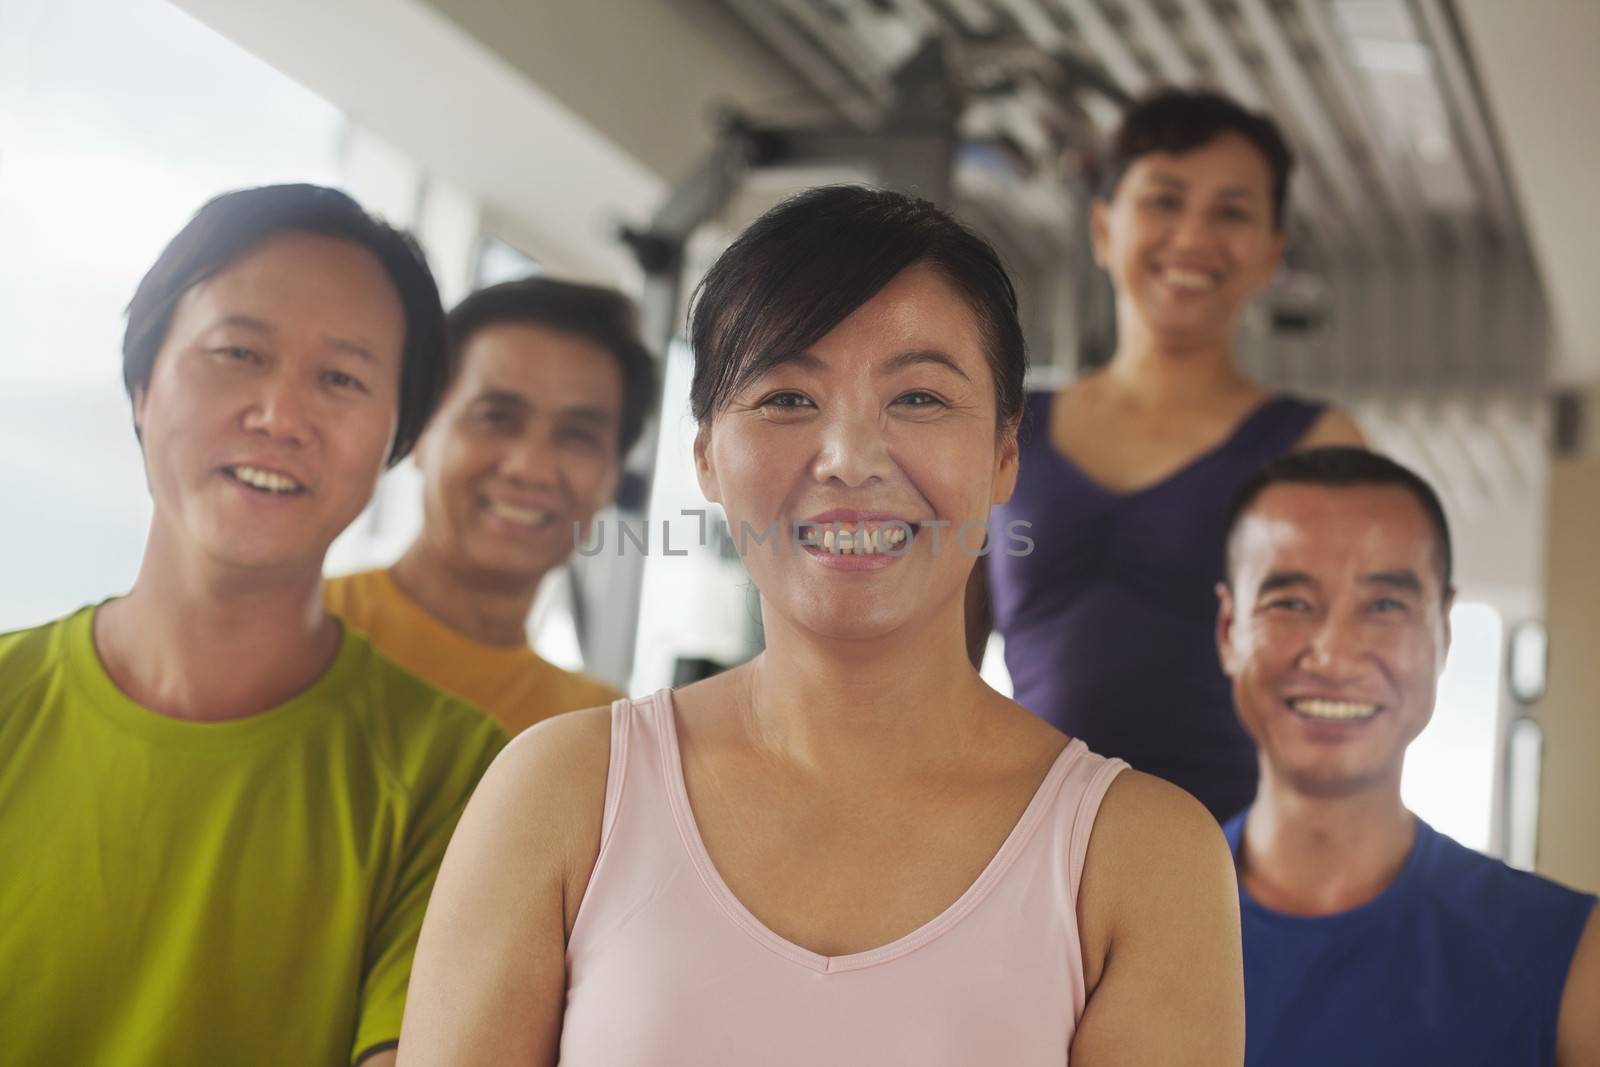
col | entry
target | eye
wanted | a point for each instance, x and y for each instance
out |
(919, 398)
(584, 439)
(340, 380)
(1235, 214)
(1294, 605)
(497, 419)
(237, 353)
(1164, 202)
(1387, 605)
(786, 400)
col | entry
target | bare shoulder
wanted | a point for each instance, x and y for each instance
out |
(1577, 1026)
(1333, 428)
(542, 800)
(1158, 918)
(1156, 860)
(1144, 823)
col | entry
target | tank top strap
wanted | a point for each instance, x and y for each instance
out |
(1082, 790)
(1274, 428)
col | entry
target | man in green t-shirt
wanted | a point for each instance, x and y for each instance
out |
(221, 813)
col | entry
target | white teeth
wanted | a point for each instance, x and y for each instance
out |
(520, 516)
(271, 481)
(845, 542)
(1187, 279)
(1316, 708)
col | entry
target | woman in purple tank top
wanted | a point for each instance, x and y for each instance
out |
(849, 850)
(1126, 473)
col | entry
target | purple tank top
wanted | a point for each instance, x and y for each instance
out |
(1109, 622)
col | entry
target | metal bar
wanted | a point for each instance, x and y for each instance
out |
(822, 71)
(1311, 114)
(1106, 44)
(1467, 110)
(1170, 56)
(1398, 181)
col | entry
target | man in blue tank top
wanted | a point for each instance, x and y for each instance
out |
(1369, 937)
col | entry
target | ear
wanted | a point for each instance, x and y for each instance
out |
(1100, 230)
(1274, 260)
(705, 471)
(1226, 653)
(1007, 461)
(1444, 624)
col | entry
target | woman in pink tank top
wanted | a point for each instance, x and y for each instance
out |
(849, 850)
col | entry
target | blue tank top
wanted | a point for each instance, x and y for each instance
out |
(1461, 961)
(1109, 621)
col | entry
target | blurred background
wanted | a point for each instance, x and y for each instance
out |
(1439, 280)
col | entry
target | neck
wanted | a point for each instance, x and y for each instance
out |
(491, 611)
(1169, 367)
(1319, 855)
(900, 702)
(194, 641)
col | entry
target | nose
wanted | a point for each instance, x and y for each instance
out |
(1192, 229)
(281, 411)
(853, 451)
(530, 460)
(1336, 651)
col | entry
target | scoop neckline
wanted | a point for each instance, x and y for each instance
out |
(1249, 419)
(111, 703)
(665, 712)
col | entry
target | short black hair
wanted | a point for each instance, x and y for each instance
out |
(1344, 468)
(230, 225)
(808, 264)
(1176, 121)
(603, 317)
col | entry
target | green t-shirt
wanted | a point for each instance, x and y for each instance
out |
(247, 892)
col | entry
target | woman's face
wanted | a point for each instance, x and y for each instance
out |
(1189, 239)
(886, 424)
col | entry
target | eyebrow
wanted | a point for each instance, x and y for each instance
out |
(1284, 580)
(914, 357)
(266, 329)
(244, 322)
(920, 357)
(582, 413)
(1405, 580)
(1238, 191)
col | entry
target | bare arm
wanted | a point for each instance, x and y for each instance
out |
(1158, 913)
(489, 982)
(1332, 428)
(1578, 1026)
(378, 1059)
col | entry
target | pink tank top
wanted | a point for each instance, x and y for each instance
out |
(666, 967)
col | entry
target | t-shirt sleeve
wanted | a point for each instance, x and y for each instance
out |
(437, 789)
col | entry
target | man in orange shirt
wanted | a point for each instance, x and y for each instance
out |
(549, 389)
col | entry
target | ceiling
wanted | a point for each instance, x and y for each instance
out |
(1409, 263)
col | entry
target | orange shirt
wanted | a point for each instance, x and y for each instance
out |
(515, 685)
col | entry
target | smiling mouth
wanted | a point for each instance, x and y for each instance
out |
(264, 481)
(1189, 281)
(532, 518)
(1333, 710)
(857, 540)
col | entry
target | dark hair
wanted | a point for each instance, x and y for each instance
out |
(232, 224)
(603, 317)
(1344, 468)
(806, 265)
(1180, 120)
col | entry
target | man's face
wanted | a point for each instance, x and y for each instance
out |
(272, 404)
(1334, 632)
(523, 447)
